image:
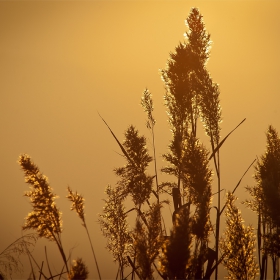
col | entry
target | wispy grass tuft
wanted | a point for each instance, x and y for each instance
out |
(10, 256)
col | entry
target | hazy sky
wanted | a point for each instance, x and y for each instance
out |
(63, 62)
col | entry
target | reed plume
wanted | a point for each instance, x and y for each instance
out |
(148, 241)
(78, 270)
(238, 244)
(265, 199)
(114, 226)
(78, 206)
(45, 217)
(133, 177)
(148, 106)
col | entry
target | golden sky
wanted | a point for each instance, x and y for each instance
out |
(63, 62)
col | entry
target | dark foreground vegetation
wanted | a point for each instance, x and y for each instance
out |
(147, 250)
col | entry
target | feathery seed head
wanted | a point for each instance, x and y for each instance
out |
(45, 217)
(77, 204)
(78, 270)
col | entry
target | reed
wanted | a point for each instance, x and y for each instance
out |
(78, 270)
(78, 206)
(45, 217)
(238, 245)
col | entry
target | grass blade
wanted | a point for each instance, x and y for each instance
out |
(222, 142)
(120, 145)
(239, 182)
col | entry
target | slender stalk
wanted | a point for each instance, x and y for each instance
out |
(134, 269)
(92, 251)
(78, 205)
(41, 271)
(218, 214)
(32, 269)
(48, 263)
(215, 153)
(118, 273)
(59, 245)
(155, 161)
(259, 245)
(278, 267)
(61, 273)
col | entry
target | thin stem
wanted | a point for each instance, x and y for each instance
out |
(41, 271)
(118, 273)
(218, 214)
(155, 160)
(29, 258)
(237, 185)
(32, 269)
(61, 272)
(92, 251)
(259, 244)
(217, 168)
(48, 263)
(59, 245)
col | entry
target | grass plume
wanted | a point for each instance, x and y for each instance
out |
(78, 270)
(113, 224)
(45, 217)
(78, 206)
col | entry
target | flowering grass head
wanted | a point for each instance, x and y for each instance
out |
(45, 217)
(78, 270)
(77, 204)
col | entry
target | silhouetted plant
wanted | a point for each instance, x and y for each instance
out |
(114, 226)
(78, 205)
(238, 245)
(78, 270)
(10, 257)
(176, 254)
(191, 94)
(148, 106)
(265, 202)
(198, 182)
(148, 241)
(134, 179)
(268, 176)
(45, 217)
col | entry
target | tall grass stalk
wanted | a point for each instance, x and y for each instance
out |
(45, 217)
(78, 205)
(147, 104)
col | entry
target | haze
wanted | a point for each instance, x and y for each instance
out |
(63, 62)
